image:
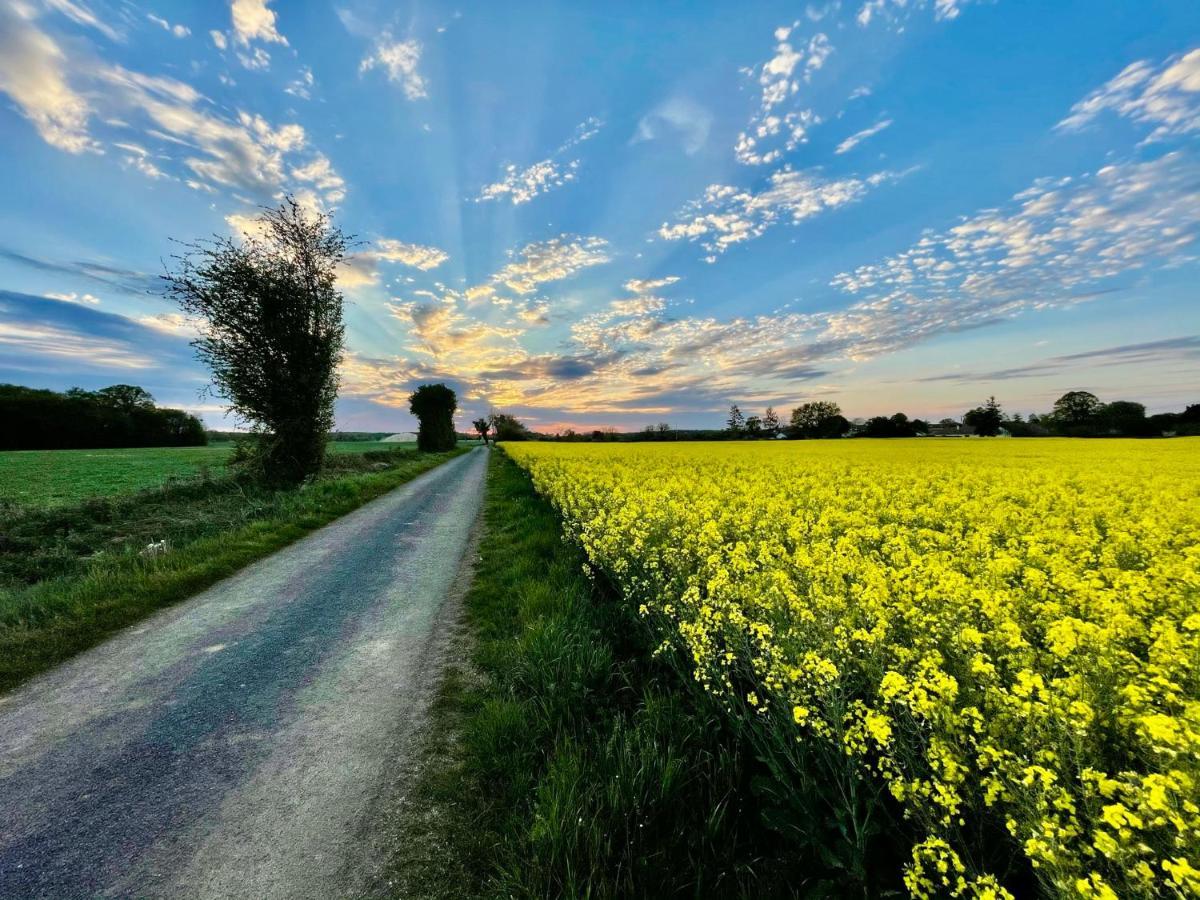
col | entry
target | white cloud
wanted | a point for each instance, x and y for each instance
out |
(171, 323)
(72, 297)
(254, 20)
(780, 78)
(872, 9)
(414, 255)
(320, 173)
(81, 14)
(33, 339)
(302, 85)
(138, 157)
(679, 116)
(855, 139)
(646, 285)
(584, 131)
(1165, 96)
(400, 60)
(248, 154)
(255, 58)
(727, 215)
(522, 185)
(179, 31)
(551, 260)
(1056, 243)
(362, 269)
(219, 40)
(33, 72)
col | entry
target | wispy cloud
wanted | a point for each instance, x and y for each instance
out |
(33, 72)
(551, 260)
(893, 9)
(1059, 238)
(855, 139)
(1165, 96)
(179, 31)
(680, 117)
(400, 60)
(81, 14)
(522, 184)
(727, 215)
(362, 268)
(779, 79)
(1169, 349)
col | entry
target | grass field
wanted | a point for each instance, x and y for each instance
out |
(57, 477)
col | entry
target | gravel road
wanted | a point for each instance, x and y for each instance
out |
(237, 745)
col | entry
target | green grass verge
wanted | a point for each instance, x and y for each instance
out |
(563, 760)
(70, 576)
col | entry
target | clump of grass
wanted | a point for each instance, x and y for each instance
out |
(70, 576)
(564, 760)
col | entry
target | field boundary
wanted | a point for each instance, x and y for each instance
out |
(562, 758)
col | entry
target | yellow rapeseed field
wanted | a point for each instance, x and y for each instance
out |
(1000, 633)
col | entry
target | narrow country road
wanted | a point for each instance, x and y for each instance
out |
(240, 744)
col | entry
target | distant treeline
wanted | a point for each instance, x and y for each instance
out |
(122, 415)
(1075, 414)
(221, 437)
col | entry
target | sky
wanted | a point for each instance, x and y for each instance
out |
(615, 213)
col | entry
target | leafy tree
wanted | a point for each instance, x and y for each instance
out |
(754, 427)
(815, 419)
(1077, 409)
(986, 419)
(434, 406)
(736, 423)
(897, 425)
(270, 320)
(1125, 417)
(126, 397)
(482, 426)
(45, 420)
(770, 422)
(509, 428)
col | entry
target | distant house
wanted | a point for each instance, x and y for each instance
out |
(950, 429)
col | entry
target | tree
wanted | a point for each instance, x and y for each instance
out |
(270, 320)
(1126, 418)
(986, 419)
(897, 425)
(434, 406)
(482, 426)
(754, 427)
(1077, 411)
(509, 428)
(125, 397)
(664, 431)
(816, 419)
(770, 422)
(736, 423)
(45, 420)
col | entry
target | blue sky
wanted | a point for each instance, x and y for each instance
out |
(625, 213)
